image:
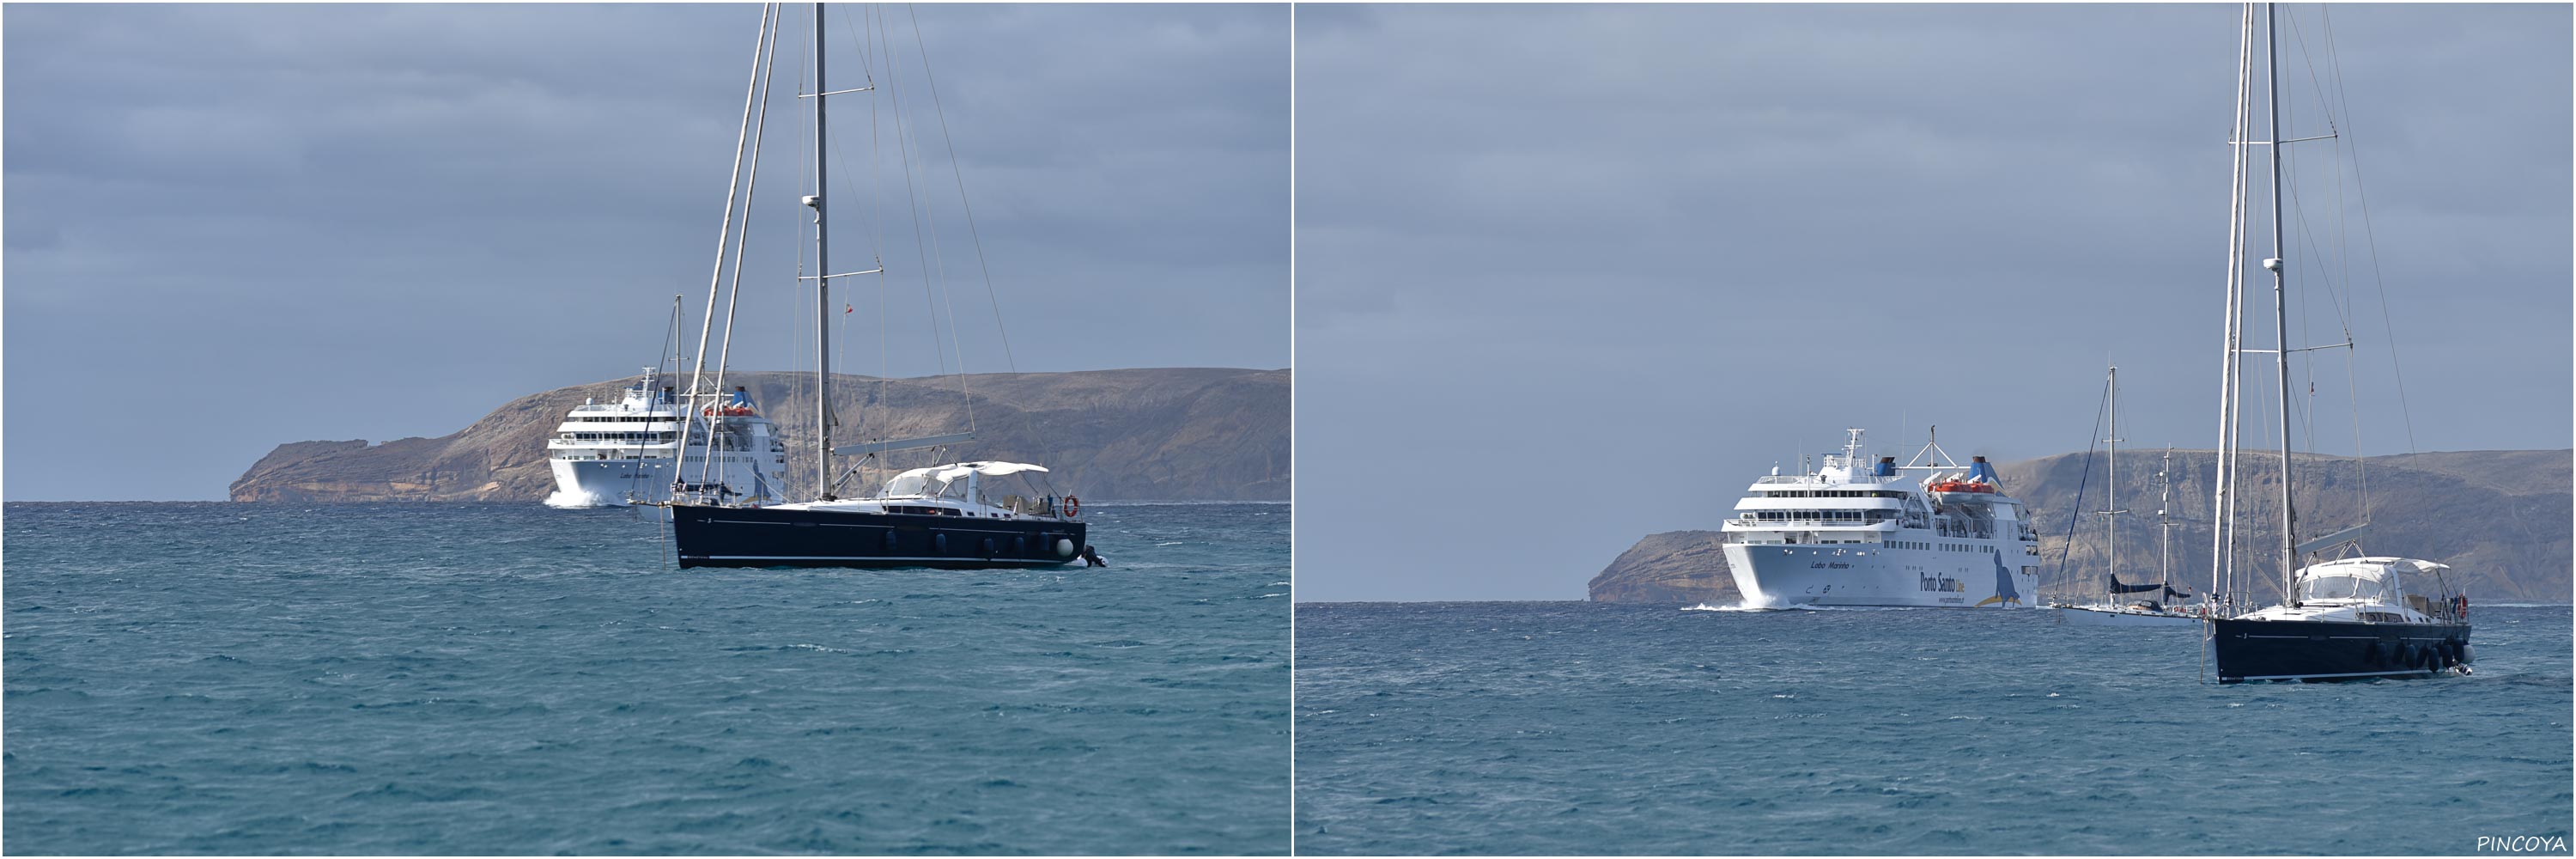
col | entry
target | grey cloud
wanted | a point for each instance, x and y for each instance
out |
(408, 213)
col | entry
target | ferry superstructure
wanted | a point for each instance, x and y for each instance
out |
(621, 453)
(1928, 534)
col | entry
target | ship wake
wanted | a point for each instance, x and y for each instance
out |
(1766, 606)
(1740, 607)
(568, 499)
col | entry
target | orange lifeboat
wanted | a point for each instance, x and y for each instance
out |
(1962, 486)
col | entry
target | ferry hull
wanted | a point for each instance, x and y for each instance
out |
(1867, 574)
(610, 482)
(2313, 650)
(615, 482)
(768, 537)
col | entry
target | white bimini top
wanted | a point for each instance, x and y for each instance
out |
(953, 489)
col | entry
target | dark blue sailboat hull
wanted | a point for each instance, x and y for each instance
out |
(2334, 650)
(770, 537)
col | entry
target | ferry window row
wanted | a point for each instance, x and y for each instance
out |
(1832, 493)
(620, 436)
(1825, 515)
(665, 419)
(1938, 547)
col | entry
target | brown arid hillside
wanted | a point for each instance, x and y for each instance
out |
(1180, 434)
(2500, 518)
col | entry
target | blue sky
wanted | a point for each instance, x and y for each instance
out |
(287, 222)
(1570, 275)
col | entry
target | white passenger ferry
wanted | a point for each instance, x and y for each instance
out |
(621, 453)
(1856, 533)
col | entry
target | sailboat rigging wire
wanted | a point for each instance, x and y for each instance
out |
(2333, 127)
(2370, 236)
(2336, 279)
(876, 237)
(2315, 82)
(1010, 361)
(925, 233)
(724, 237)
(2343, 263)
(870, 53)
(2076, 518)
(2343, 304)
(670, 348)
(2300, 275)
(875, 219)
(2335, 298)
(804, 180)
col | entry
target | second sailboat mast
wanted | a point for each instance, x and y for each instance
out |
(2280, 304)
(822, 285)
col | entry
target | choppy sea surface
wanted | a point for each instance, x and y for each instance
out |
(1580, 728)
(508, 678)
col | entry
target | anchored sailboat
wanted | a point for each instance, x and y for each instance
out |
(2350, 616)
(2116, 607)
(942, 515)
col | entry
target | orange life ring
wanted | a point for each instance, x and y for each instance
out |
(1072, 506)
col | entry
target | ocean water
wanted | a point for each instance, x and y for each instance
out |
(1578, 728)
(489, 678)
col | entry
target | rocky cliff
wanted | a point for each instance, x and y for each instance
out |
(1151, 434)
(1671, 567)
(2501, 518)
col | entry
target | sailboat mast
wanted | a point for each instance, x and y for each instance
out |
(2280, 301)
(715, 277)
(2223, 492)
(822, 284)
(2164, 522)
(2114, 512)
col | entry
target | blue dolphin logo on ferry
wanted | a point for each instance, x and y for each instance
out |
(2004, 592)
